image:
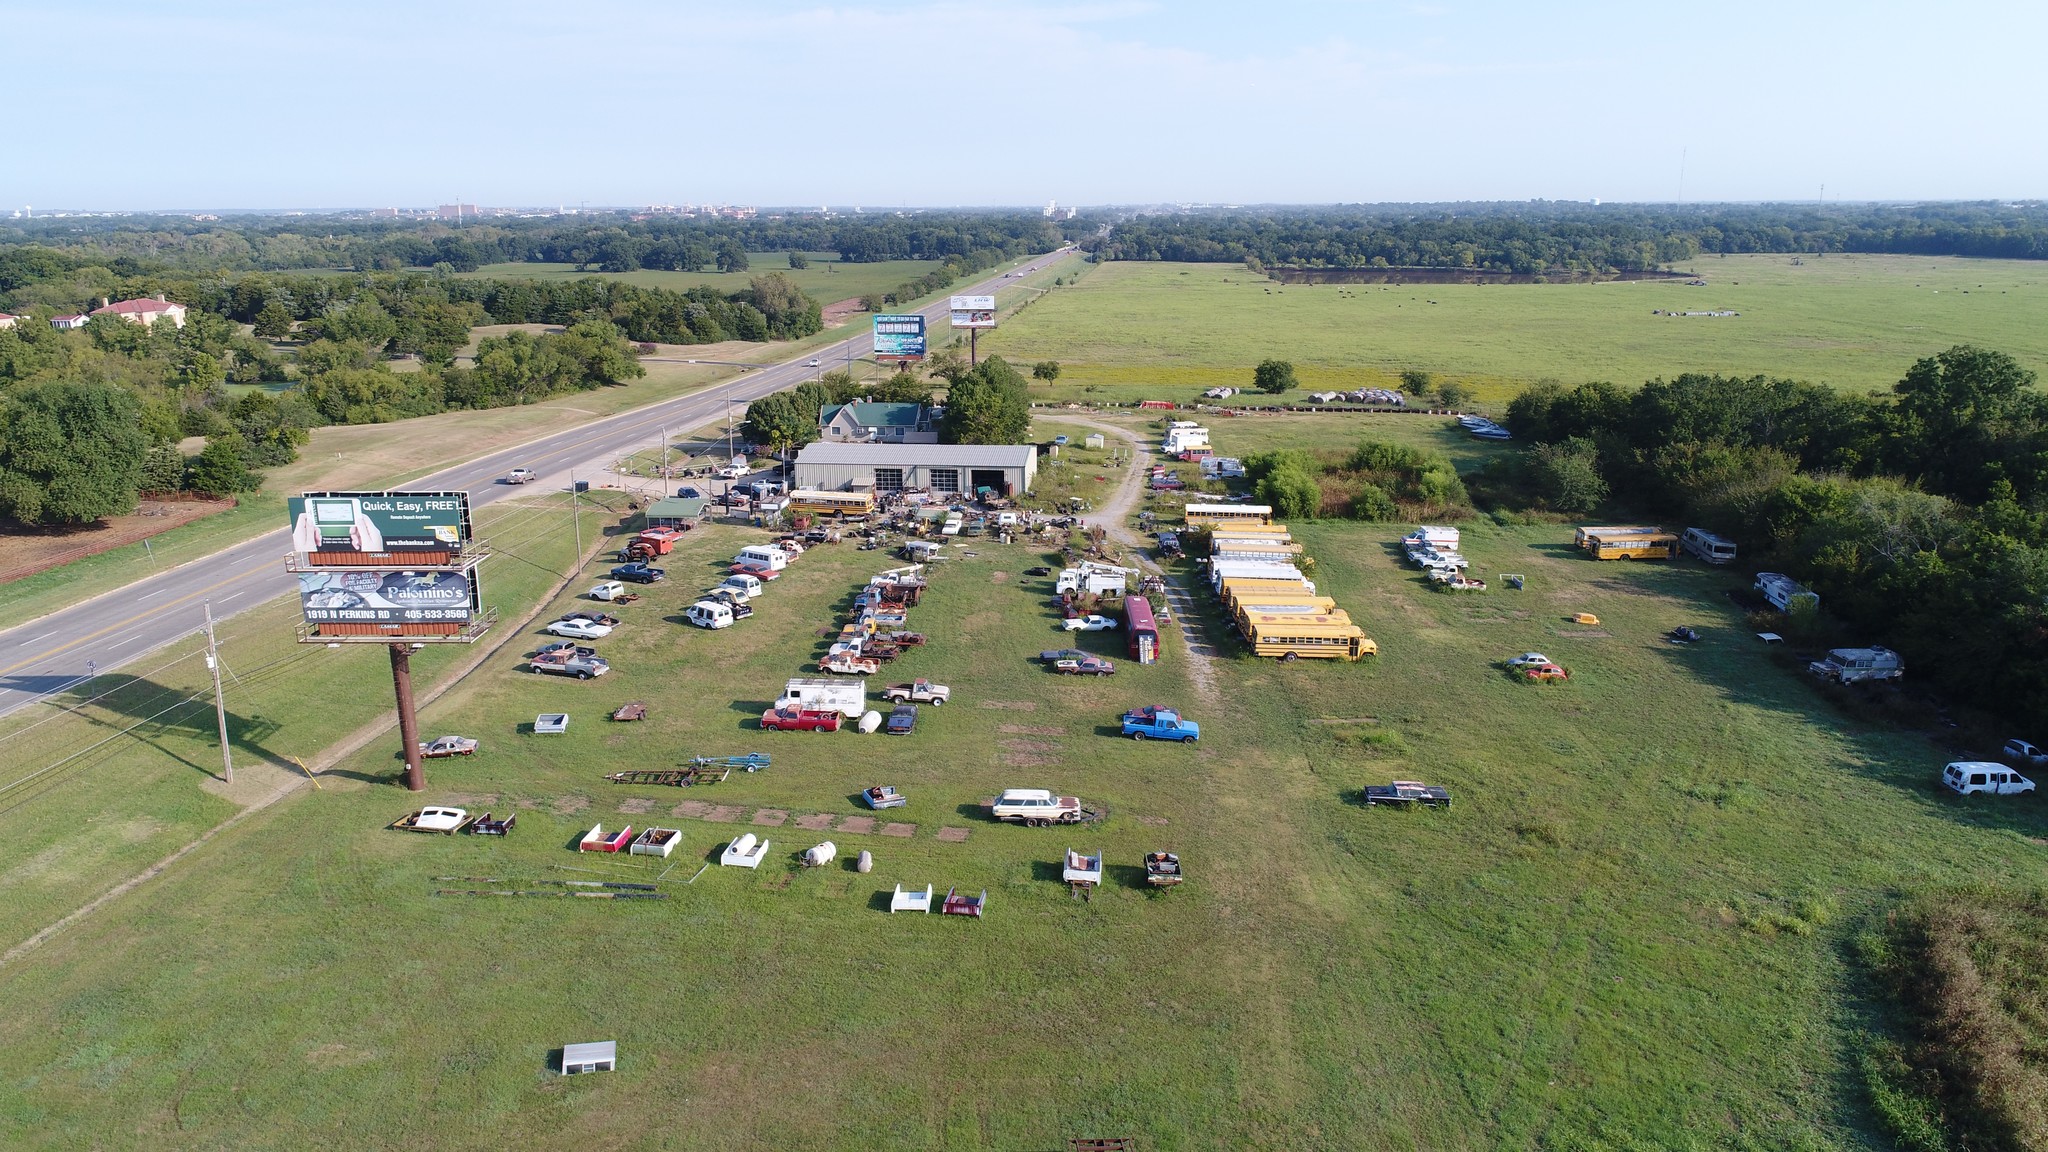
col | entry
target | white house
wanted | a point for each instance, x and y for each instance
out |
(74, 320)
(9, 319)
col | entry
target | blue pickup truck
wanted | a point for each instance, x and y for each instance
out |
(1155, 723)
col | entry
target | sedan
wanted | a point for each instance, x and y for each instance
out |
(448, 746)
(1088, 624)
(811, 363)
(1527, 659)
(1546, 672)
(1055, 655)
(1086, 666)
(902, 720)
(579, 629)
(520, 476)
(638, 573)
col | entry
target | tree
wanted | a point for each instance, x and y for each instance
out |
(1373, 503)
(1568, 475)
(1274, 376)
(781, 421)
(163, 470)
(1046, 370)
(1292, 492)
(731, 256)
(1453, 394)
(274, 322)
(798, 261)
(220, 469)
(873, 302)
(1417, 382)
(70, 453)
(904, 388)
(987, 405)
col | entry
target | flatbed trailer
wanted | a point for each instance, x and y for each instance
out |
(672, 777)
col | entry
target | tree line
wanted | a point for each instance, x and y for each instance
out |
(1920, 516)
(1571, 239)
(609, 241)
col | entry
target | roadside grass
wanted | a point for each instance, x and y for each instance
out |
(1629, 932)
(827, 281)
(83, 806)
(338, 459)
(1129, 331)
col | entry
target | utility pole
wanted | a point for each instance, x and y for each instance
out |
(408, 723)
(220, 709)
(576, 515)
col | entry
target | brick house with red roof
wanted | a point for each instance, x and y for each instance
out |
(144, 312)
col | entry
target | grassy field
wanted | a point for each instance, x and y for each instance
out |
(1629, 933)
(1168, 331)
(826, 280)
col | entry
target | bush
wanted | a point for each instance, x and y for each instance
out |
(222, 470)
(1373, 503)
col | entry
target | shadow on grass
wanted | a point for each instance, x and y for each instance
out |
(151, 714)
(1130, 876)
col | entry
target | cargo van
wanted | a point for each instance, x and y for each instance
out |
(708, 614)
(763, 556)
(1708, 547)
(1968, 776)
(849, 698)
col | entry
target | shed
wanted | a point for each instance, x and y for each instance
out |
(1007, 469)
(675, 511)
(1094, 441)
(603, 1056)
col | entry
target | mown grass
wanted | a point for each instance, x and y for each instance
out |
(826, 280)
(1130, 331)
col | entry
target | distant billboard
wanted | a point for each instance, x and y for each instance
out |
(974, 311)
(369, 523)
(899, 337)
(433, 596)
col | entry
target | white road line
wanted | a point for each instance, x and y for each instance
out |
(118, 643)
(44, 636)
(229, 596)
(147, 595)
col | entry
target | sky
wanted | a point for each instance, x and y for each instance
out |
(286, 104)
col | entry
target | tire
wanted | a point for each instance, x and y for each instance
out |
(583, 675)
(936, 703)
(1289, 658)
(1138, 736)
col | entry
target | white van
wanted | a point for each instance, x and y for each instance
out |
(708, 614)
(1967, 776)
(748, 587)
(1708, 547)
(849, 697)
(763, 556)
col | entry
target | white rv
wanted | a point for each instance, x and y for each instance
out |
(849, 697)
(1784, 593)
(1708, 547)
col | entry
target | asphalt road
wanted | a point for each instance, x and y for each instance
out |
(61, 650)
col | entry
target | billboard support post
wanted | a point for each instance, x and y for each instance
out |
(974, 347)
(408, 722)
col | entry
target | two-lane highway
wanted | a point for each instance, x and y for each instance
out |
(60, 650)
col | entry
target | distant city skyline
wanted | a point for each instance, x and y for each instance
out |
(234, 105)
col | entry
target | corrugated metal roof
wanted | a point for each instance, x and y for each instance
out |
(677, 507)
(910, 455)
(599, 1052)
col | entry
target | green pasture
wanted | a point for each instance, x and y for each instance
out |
(826, 280)
(1629, 933)
(1130, 331)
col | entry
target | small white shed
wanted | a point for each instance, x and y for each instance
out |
(1094, 441)
(602, 1056)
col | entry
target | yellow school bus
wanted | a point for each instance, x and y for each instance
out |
(1649, 546)
(1237, 588)
(816, 502)
(1224, 537)
(1211, 515)
(1291, 638)
(1245, 611)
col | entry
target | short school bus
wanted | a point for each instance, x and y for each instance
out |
(1654, 546)
(814, 502)
(1290, 637)
(1212, 515)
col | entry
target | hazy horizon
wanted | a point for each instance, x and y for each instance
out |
(945, 104)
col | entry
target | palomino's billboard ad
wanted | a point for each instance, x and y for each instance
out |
(368, 597)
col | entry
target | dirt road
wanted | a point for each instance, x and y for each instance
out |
(1114, 514)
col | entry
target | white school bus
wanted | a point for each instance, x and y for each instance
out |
(1211, 515)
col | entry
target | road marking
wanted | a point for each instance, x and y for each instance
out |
(229, 596)
(120, 624)
(44, 636)
(118, 643)
(144, 596)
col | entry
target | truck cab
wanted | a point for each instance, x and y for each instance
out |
(1966, 777)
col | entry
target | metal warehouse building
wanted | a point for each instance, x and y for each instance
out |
(1008, 469)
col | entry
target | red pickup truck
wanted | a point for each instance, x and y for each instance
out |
(799, 720)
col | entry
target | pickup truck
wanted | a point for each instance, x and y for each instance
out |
(799, 720)
(849, 665)
(573, 664)
(1402, 793)
(1155, 723)
(918, 692)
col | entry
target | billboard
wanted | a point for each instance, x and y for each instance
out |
(899, 337)
(375, 522)
(374, 597)
(974, 311)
